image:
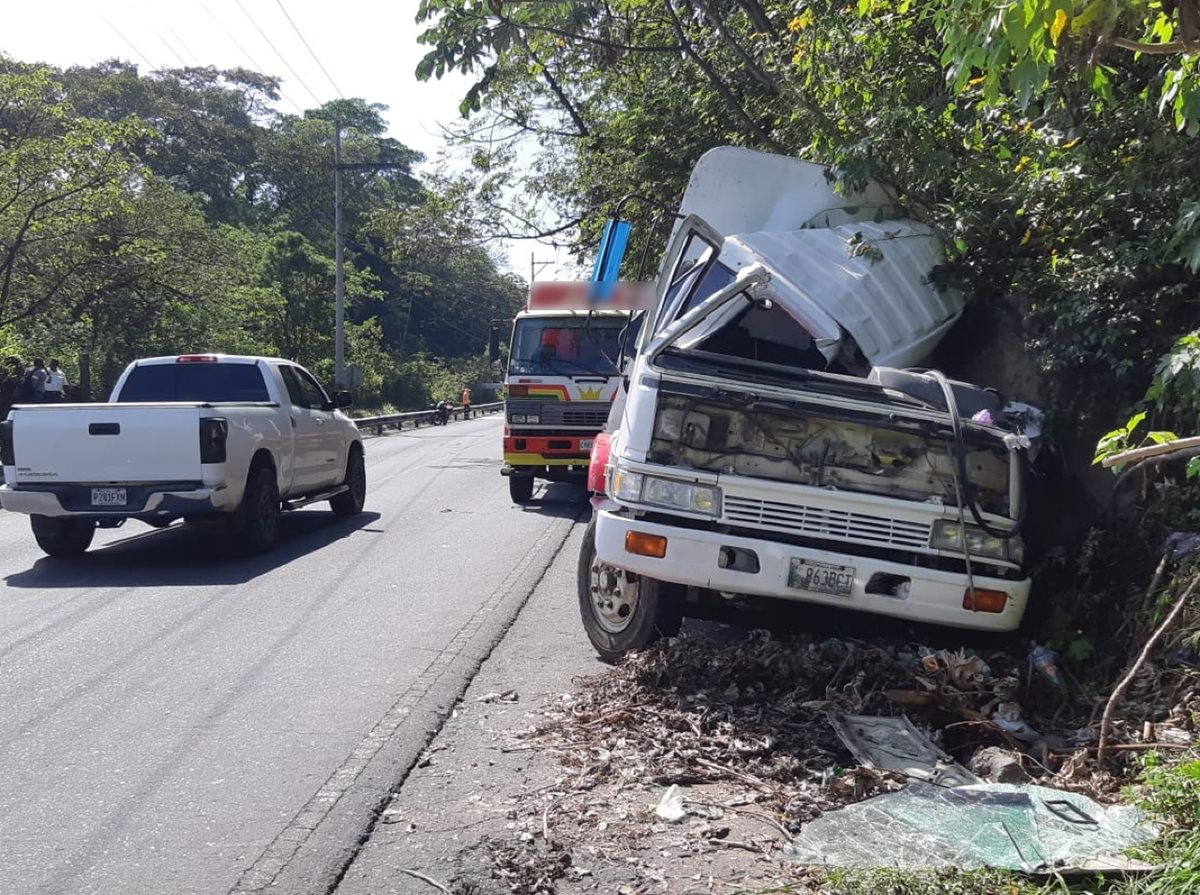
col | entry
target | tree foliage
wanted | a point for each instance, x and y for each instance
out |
(176, 212)
(1048, 141)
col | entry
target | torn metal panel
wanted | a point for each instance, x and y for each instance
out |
(870, 280)
(894, 744)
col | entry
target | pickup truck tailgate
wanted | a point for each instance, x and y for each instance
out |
(120, 443)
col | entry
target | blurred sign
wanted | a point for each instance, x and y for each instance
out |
(550, 295)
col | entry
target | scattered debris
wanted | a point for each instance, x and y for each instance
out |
(771, 736)
(506, 696)
(893, 744)
(670, 808)
(1045, 661)
(999, 765)
(1027, 828)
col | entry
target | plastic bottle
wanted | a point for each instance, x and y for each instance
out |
(1045, 661)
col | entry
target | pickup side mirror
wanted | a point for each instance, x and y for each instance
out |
(342, 399)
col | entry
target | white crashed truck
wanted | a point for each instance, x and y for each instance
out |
(773, 440)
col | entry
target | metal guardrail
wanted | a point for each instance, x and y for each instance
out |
(417, 417)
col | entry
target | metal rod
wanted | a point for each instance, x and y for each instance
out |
(339, 362)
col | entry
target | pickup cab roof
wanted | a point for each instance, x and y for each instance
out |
(207, 357)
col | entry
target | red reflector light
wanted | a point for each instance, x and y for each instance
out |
(601, 450)
(641, 544)
(979, 600)
(196, 359)
(518, 391)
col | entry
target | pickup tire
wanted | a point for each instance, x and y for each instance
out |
(520, 488)
(256, 522)
(62, 537)
(350, 502)
(622, 611)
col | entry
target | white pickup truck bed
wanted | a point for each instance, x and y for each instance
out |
(237, 438)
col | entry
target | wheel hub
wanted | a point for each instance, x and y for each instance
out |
(615, 594)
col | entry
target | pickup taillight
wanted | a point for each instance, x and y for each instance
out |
(213, 432)
(7, 454)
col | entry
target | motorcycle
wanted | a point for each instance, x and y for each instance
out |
(441, 412)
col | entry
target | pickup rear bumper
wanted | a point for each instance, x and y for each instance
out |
(694, 557)
(172, 499)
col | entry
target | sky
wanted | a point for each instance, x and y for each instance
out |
(364, 48)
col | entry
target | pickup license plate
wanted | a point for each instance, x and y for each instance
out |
(585, 444)
(821, 578)
(108, 497)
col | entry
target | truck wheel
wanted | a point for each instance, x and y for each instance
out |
(520, 488)
(62, 537)
(257, 519)
(622, 611)
(350, 503)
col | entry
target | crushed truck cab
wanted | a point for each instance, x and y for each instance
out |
(773, 441)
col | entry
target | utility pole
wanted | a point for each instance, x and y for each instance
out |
(535, 266)
(339, 251)
(339, 314)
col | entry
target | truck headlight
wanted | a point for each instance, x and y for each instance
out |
(527, 418)
(673, 494)
(949, 536)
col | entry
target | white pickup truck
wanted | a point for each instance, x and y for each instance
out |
(197, 436)
(771, 439)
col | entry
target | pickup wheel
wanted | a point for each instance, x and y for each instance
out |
(350, 502)
(520, 488)
(256, 522)
(62, 537)
(622, 611)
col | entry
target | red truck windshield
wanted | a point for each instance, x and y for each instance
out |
(214, 383)
(565, 346)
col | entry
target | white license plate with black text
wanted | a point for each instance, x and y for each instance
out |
(585, 444)
(109, 497)
(821, 578)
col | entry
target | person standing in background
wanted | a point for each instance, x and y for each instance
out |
(33, 386)
(56, 382)
(466, 402)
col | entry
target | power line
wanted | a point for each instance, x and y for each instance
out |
(170, 48)
(246, 53)
(282, 58)
(128, 42)
(186, 48)
(310, 49)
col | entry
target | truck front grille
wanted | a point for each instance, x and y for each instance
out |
(589, 414)
(814, 522)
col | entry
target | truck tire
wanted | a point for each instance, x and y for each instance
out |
(622, 611)
(256, 522)
(520, 488)
(350, 502)
(62, 537)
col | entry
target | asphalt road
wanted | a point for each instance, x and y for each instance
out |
(173, 720)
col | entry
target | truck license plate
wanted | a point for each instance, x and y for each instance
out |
(108, 497)
(821, 578)
(585, 444)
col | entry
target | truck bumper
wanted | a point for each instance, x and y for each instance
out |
(557, 450)
(693, 557)
(74, 500)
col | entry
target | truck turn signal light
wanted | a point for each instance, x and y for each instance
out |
(980, 600)
(641, 544)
